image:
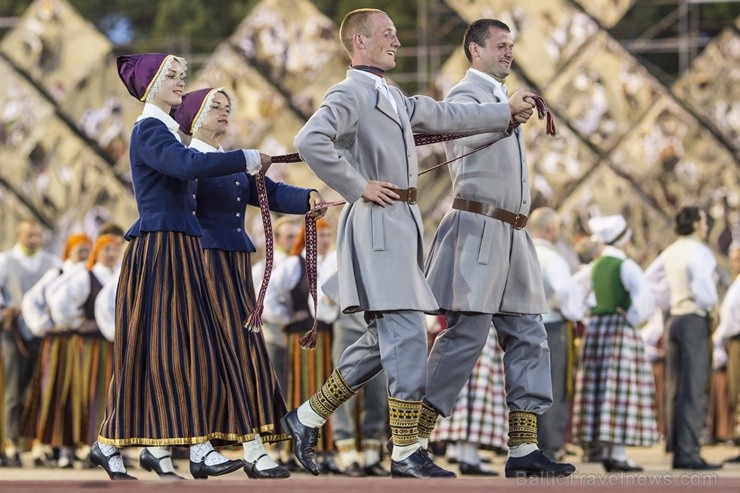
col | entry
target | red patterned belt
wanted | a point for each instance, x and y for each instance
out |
(516, 220)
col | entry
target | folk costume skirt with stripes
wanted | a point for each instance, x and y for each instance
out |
(307, 371)
(230, 278)
(480, 414)
(615, 389)
(67, 398)
(96, 371)
(173, 380)
(53, 411)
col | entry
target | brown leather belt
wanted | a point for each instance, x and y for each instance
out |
(516, 220)
(406, 195)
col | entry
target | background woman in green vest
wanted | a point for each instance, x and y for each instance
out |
(615, 387)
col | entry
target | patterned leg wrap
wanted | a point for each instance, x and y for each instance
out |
(427, 420)
(344, 446)
(522, 428)
(332, 394)
(404, 421)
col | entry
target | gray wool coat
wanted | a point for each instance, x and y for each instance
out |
(477, 263)
(357, 136)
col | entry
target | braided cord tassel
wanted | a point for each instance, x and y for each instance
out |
(308, 341)
(543, 112)
(254, 320)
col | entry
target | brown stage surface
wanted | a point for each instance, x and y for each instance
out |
(590, 477)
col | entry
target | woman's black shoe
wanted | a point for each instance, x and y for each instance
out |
(98, 458)
(278, 472)
(200, 470)
(148, 462)
(475, 470)
(612, 465)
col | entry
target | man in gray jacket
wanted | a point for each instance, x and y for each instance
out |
(483, 267)
(360, 143)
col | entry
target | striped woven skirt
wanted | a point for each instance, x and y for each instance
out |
(480, 414)
(307, 371)
(172, 379)
(615, 388)
(96, 368)
(65, 404)
(53, 411)
(230, 277)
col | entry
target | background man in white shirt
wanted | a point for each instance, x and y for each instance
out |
(566, 304)
(686, 269)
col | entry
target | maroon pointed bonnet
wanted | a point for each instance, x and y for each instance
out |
(140, 73)
(194, 107)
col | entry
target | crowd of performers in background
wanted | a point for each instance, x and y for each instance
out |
(58, 330)
(163, 342)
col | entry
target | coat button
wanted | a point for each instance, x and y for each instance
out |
(193, 212)
(238, 214)
(239, 230)
(238, 199)
(193, 195)
(237, 184)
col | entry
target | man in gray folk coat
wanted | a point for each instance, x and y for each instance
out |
(483, 267)
(360, 143)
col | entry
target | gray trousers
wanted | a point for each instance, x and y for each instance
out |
(551, 424)
(276, 343)
(18, 374)
(688, 370)
(347, 330)
(526, 360)
(395, 342)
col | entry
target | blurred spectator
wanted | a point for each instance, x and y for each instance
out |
(20, 268)
(566, 304)
(727, 341)
(686, 270)
(615, 389)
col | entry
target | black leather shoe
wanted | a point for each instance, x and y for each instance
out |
(475, 470)
(200, 470)
(13, 460)
(434, 470)
(305, 439)
(98, 458)
(411, 467)
(698, 464)
(278, 472)
(328, 464)
(291, 465)
(42, 462)
(611, 465)
(354, 470)
(419, 465)
(148, 462)
(537, 464)
(376, 470)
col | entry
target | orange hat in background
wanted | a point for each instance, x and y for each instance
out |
(101, 242)
(322, 223)
(72, 241)
(300, 240)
